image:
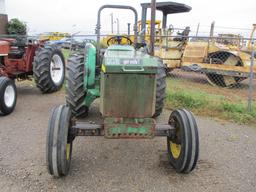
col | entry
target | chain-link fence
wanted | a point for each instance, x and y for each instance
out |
(213, 76)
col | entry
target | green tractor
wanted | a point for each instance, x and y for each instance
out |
(131, 87)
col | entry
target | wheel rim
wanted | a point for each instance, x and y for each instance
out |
(9, 96)
(175, 142)
(56, 69)
(175, 150)
(68, 151)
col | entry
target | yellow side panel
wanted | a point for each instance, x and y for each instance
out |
(195, 52)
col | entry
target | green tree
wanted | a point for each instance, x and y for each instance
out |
(16, 27)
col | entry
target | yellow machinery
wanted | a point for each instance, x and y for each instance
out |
(147, 34)
(251, 37)
(53, 36)
(147, 31)
(224, 59)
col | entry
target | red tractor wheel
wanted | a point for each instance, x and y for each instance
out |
(8, 95)
(49, 69)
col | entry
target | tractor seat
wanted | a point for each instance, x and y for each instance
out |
(184, 35)
(20, 42)
(16, 53)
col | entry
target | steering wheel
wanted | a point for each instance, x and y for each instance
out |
(118, 40)
(171, 28)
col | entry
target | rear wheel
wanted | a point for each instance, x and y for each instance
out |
(59, 142)
(160, 88)
(183, 144)
(8, 95)
(49, 69)
(75, 85)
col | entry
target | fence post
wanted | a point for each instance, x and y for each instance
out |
(250, 95)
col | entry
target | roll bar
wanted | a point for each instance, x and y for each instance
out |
(98, 27)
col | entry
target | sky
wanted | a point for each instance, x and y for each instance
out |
(80, 15)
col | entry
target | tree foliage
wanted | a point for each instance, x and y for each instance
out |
(16, 27)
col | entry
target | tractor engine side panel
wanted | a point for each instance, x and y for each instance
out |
(128, 95)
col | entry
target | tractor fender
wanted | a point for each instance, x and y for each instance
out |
(4, 47)
(90, 65)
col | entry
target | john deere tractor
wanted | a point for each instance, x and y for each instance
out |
(131, 87)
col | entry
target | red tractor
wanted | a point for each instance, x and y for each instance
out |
(22, 58)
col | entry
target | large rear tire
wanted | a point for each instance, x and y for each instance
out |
(8, 95)
(49, 69)
(183, 145)
(59, 142)
(160, 89)
(75, 85)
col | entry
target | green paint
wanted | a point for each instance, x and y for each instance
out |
(90, 80)
(125, 59)
(127, 95)
(126, 127)
(129, 130)
(90, 65)
(127, 88)
(91, 95)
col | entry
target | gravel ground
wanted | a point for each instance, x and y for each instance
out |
(227, 159)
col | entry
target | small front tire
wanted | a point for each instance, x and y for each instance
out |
(59, 142)
(183, 144)
(8, 95)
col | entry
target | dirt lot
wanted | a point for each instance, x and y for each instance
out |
(227, 156)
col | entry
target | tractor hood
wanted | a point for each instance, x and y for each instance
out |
(125, 59)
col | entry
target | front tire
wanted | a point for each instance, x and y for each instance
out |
(59, 142)
(49, 69)
(8, 95)
(183, 145)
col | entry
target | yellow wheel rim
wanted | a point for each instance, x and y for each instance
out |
(67, 151)
(175, 150)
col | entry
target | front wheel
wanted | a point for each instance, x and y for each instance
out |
(183, 144)
(8, 95)
(49, 69)
(59, 142)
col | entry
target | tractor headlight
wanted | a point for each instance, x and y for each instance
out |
(33, 42)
